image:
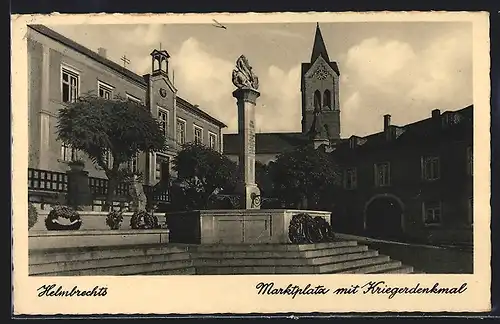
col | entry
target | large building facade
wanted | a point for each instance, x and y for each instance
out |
(60, 70)
(413, 182)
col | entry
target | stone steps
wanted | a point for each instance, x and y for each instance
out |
(335, 257)
(271, 247)
(96, 253)
(279, 254)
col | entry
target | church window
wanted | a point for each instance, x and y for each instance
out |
(327, 99)
(317, 99)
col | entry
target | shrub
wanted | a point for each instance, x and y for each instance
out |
(52, 222)
(32, 215)
(114, 219)
(144, 220)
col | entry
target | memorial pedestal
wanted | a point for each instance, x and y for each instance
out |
(238, 226)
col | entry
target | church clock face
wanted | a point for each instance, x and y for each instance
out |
(321, 72)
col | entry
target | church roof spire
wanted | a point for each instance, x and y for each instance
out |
(319, 48)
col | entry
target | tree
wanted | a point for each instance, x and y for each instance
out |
(123, 128)
(203, 171)
(263, 178)
(303, 176)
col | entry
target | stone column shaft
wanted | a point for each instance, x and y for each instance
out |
(246, 100)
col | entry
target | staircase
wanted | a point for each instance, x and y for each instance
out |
(112, 261)
(335, 257)
(323, 258)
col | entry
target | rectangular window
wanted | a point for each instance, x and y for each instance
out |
(133, 99)
(181, 131)
(68, 153)
(470, 164)
(382, 174)
(133, 164)
(212, 140)
(105, 91)
(162, 168)
(70, 81)
(430, 168)
(471, 212)
(198, 134)
(163, 120)
(432, 213)
(108, 159)
(350, 178)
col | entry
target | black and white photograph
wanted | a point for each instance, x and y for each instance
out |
(238, 147)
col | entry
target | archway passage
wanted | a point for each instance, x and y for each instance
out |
(383, 218)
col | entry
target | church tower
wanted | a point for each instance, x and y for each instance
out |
(320, 94)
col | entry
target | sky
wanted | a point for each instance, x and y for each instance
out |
(405, 69)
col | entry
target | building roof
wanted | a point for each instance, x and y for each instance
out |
(44, 30)
(196, 110)
(266, 143)
(319, 47)
(419, 132)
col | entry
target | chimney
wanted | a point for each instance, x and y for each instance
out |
(436, 113)
(387, 122)
(101, 51)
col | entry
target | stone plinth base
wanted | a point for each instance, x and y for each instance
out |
(249, 196)
(82, 238)
(92, 220)
(234, 226)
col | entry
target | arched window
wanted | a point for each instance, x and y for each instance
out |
(317, 99)
(327, 99)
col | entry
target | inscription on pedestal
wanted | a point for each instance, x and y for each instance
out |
(251, 137)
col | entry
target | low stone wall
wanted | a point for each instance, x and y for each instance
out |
(233, 226)
(88, 238)
(426, 258)
(92, 220)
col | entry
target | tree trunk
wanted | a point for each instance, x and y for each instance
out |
(110, 197)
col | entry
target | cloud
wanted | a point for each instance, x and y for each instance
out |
(205, 79)
(392, 77)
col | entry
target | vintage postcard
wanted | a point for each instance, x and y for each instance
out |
(251, 163)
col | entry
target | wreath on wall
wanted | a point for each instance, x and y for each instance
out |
(114, 219)
(63, 218)
(32, 215)
(304, 229)
(144, 220)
